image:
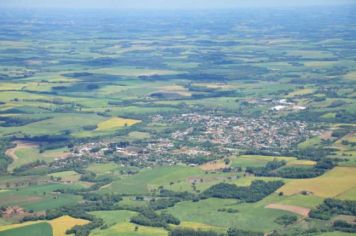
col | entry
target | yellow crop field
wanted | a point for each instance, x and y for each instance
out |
(301, 92)
(214, 165)
(335, 182)
(301, 163)
(115, 123)
(62, 224)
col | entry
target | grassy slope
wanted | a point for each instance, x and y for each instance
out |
(39, 229)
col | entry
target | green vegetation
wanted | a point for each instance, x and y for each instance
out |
(286, 220)
(40, 229)
(331, 207)
(254, 193)
(191, 232)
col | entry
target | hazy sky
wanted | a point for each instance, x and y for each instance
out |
(156, 4)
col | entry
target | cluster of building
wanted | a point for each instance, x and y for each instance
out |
(197, 136)
(262, 133)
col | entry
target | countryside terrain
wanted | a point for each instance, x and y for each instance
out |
(178, 123)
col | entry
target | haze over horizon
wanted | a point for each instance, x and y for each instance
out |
(166, 4)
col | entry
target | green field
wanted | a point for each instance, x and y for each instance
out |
(128, 229)
(148, 180)
(40, 229)
(206, 212)
(38, 198)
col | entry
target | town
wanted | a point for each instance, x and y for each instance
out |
(196, 139)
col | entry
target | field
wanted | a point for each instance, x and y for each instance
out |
(38, 198)
(114, 217)
(340, 178)
(115, 123)
(295, 209)
(336, 234)
(104, 169)
(148, 180)
(214, 165)
(130, 230)
(56, 227)
(38, 229)
(206, 212)
(259, 161)
(305, 201)
(25, 153)
(118, 222)
(62, 224)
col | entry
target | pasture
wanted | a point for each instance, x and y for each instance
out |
(129, 229)
(55, 227)
(35, 229)
(24, 153)
(150, 179)
(114, 217)
(254, 217)
(244, 161)
(334, 183)
(38, 198)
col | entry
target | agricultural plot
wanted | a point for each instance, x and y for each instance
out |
(207, 212)
(104, 169)
(305, 201)
(38, 229)
(115, 123)
(151, 179)
(55, 227)
(244, 161)
(131, 230)
(336, 234)
(25, 153)
(114, 217)
(332, 184)
(64, 223)
(38, 198)
(302, 211)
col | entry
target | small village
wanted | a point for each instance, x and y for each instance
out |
(197, 137)
(262, 133)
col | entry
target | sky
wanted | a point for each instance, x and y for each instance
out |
(163, 4)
